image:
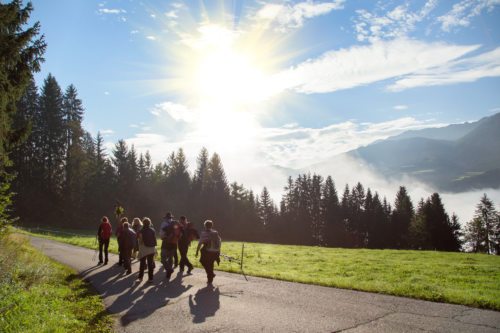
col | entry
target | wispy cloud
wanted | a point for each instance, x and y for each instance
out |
(107, 132)
(468, 69)
(177, 112)
(150, 37)
(396, 23)
(348, 68)
(114, 11)
(463, 12)
(284, 17)
(400, 107)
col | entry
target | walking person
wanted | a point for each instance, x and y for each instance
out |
(209, 244)
(128, 241)
(103, 235)
(188, 233)
(136, 226)
(169, 233)
(147, 249)
(119, 238)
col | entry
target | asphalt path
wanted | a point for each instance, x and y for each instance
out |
(232, 304)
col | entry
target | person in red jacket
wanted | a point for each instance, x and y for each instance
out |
(103, 235)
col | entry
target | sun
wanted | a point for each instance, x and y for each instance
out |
(226, 70)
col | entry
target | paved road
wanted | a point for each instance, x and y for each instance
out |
(186, 304)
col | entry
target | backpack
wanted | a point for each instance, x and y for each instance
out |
(174, 232)
(148, 237)
(214, 242)
(105, 231)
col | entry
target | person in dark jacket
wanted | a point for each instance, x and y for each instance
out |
(103, 235)
(118, 234)
(147, 248)
(188, 233)
(209, 244)
(128, 239)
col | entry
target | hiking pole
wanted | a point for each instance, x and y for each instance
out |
(95, 252)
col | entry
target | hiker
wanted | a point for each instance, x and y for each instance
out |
(169, 233)
(147, 249)
(103, 235)
(118, 234)
(136, 226)
(210, 249)
(188, 233)
(128, 239)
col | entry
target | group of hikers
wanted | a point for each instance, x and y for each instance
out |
(138, 240)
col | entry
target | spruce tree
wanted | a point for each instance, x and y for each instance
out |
(20, 56)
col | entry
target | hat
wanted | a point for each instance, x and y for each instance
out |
(168, 215)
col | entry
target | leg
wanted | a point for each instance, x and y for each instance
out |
(164, 255)
(142, 267)
(127, 253)
(106, 246)
(176, 262)
(150, 258)
(170, 260)
(101, 245)
(183, 253)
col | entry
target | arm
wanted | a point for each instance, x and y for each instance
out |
(198, 249)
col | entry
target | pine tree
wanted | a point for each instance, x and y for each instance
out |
(481, 232)
(401, 217)
(21, 55)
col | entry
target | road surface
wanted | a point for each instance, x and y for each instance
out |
(186, 304)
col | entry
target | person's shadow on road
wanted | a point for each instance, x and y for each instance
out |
(142, 304)
(205, 303)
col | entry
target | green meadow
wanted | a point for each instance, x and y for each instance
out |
(38, 294)
(461, 278)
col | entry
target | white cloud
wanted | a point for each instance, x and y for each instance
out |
(107, 132)
(133, 32)
(468, 69)
(151, 37)
(299, 147)
(286, 16)
(463, 12)
(106, 93)
(172, 14)
(400, 107)
(111, 11)
(494, 110)
(177, 112)
(396, 23)
(361, 65)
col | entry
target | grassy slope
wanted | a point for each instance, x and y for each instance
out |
(40, 295)
(462, 278)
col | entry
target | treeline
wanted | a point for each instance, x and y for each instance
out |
(65, 178)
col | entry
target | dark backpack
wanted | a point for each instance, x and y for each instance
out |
(148, 237)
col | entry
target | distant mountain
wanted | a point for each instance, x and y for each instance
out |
(454, 158)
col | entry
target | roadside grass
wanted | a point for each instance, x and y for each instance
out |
(41, 295)
(460, 278)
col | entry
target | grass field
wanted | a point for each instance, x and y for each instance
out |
(40, 295)
(461, 278)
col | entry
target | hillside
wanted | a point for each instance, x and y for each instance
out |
(454, 158)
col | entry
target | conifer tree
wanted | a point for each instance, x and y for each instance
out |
(21, 56)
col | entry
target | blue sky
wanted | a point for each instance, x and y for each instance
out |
(288, 83)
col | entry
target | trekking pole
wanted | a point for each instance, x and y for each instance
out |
(95, 252)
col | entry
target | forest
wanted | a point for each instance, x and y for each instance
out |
(64, 177)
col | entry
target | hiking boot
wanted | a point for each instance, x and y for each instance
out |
(190, 269)
(105, 263)
(149, 281)
(139, 278)
(169, 274)
(100, 262)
